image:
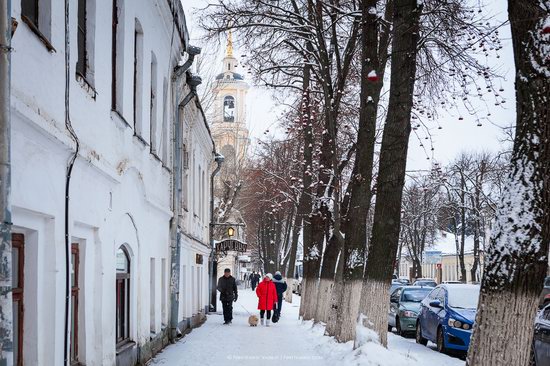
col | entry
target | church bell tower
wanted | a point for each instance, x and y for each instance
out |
(229, 128)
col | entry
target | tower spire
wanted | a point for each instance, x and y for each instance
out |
(229, 48)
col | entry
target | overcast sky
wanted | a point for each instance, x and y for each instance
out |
(455, 136)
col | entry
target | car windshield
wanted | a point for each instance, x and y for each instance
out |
(463, 297)
(426, 283)
(415, 295)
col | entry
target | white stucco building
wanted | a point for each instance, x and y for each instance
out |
(119, 105)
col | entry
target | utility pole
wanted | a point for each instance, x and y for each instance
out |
(6, 331)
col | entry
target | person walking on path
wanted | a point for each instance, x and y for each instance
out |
(227, 286)
(245, 280)
(254, 280)
(267, 297)
(280, 286)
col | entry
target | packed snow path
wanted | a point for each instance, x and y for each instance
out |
(289, 342)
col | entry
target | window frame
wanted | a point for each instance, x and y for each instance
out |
(123, 279)
(114, 46)
(82, 30)
(153, 107)
(34, 19)
(18, 241)
(234, 117)
(40, 26)
(138, 79)
(75, 294)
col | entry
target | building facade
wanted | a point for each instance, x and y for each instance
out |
(93, 111)
(441, 261)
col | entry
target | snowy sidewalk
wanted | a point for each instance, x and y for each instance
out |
(289, 342)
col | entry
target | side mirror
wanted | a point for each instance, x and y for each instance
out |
(435, 304)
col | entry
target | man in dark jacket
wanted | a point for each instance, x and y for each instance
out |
(227, 286)
(254, 280)
(280, 286)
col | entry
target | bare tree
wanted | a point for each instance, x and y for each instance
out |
(422, 200)
(472, 185)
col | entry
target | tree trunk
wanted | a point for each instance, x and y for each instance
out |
(462, 229)
(473, 271)
(354, 253)
(391, 176)
(291, 270)
(306, 198)
(516, 260)
(289, 226)
(417, 268)
(477, 215)
(326, 281)
(312, 264)
(296, 229)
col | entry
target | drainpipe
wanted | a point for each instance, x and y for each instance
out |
(213, 263)
(70, 166)
(6, 316)
(175, 229)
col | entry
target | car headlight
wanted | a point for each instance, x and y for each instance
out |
(458, 324)
(409, 314)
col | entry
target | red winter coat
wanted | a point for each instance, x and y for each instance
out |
(267, 295)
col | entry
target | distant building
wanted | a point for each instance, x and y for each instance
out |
(229, 123)
(443, 255)
(120, 109)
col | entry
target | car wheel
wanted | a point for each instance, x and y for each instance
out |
(440, 340)
(390, 328)
(398, 326)
(419, 339)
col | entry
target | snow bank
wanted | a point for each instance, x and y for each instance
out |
(400, 352)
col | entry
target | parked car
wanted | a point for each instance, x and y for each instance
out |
(545, 293)
(395, 284)
(541, 338)
(447, 316)
(425, 282)
(404, 308)
(405, 281)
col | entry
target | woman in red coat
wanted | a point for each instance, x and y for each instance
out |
(267, 297)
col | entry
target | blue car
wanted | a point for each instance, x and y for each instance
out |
(447, 317)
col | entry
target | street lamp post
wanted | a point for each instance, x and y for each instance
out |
(214, 256)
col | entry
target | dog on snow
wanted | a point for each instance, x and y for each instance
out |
(253, 320)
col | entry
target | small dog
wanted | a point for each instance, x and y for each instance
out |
(253, 320)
